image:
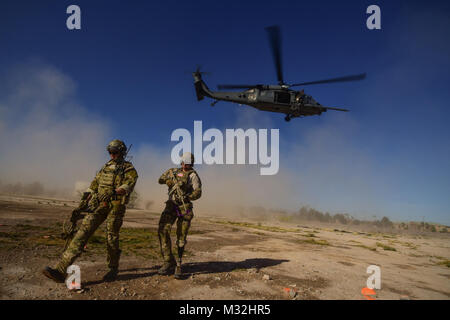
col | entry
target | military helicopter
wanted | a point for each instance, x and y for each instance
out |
(274, 98)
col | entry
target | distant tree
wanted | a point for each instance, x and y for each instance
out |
(339, 217)
(386, 223)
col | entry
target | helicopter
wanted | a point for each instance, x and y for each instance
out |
(273, 98)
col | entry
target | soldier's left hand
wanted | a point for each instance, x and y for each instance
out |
(120, 191)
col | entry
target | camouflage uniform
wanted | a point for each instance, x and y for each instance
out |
(191, 185)
(110, 207)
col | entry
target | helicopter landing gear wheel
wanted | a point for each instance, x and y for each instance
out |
(287, 118)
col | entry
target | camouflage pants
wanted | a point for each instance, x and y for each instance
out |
(113, 213)
(168, 218)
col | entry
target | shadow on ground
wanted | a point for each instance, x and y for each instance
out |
(226, 266)
(197, 268)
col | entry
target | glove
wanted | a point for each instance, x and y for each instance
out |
(170, 183)
(75, 215)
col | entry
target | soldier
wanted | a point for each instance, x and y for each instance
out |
(108, 194)
(184, 186)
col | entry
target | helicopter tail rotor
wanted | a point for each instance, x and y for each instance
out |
(200, 73)
(201, 89)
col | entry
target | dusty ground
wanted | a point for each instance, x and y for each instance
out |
(226, 259)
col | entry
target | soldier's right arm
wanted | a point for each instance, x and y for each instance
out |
(166, 179)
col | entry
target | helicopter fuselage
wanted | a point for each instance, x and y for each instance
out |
(289, 102)
(266, 98)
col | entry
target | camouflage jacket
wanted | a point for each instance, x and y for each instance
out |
(189, 181)
(115, 174)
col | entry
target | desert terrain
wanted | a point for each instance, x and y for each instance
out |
(226, 258)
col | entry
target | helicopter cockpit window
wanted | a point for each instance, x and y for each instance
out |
(282, 97)
(252, 93)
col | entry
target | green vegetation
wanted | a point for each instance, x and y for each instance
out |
(385, 247)
(257, 233)
(315, 241)
(133, 241)
(285, 218)
(445, 263)
(311, 235)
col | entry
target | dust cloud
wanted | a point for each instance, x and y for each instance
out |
(48, 137)
(51, 141)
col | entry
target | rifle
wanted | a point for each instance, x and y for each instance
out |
(70, 226)
(126, 154)
(176, 188)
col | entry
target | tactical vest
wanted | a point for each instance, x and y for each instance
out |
(183, 176)
(111, 177)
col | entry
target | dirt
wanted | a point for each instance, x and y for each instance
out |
(225, 259)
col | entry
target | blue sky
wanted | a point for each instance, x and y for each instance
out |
(129, 64)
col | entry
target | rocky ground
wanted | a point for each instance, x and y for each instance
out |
(225, 259)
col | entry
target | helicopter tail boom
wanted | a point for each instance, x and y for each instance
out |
(324, 109)
(201, 89)
(333, 108)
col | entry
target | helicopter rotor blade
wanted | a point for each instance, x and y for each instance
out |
(355, 77)
(235, 86)
(273, 32)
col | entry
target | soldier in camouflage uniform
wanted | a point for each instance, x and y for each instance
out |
(178, 208)
(108, 194)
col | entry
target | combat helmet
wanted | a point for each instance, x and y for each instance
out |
(187, 158)
(117, 146)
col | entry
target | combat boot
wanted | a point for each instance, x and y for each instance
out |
(178, 273)
(167, 268)
(111, 275)
(54, 274)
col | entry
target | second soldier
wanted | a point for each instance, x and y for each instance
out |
(184, 186)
